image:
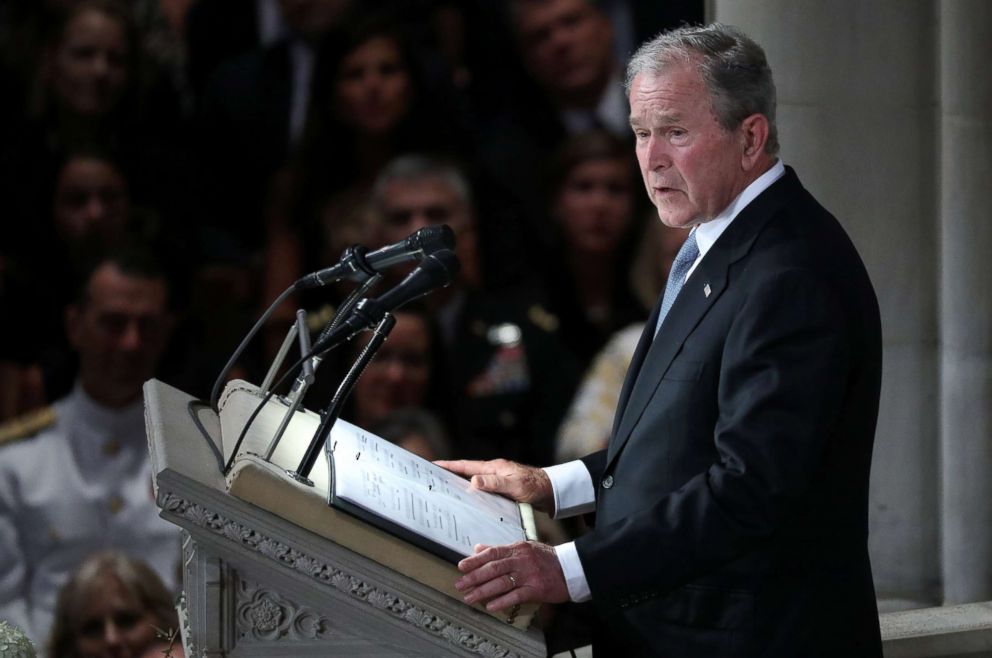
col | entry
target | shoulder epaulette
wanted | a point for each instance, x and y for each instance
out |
(26, 425)
(543, 318)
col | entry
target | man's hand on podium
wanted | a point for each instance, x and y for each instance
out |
(506, 576)
(524, 484)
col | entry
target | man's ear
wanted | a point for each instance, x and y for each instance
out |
(754, 136)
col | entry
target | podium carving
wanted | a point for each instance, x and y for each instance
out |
(257, 584)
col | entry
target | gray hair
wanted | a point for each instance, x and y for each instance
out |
(732, 65)
(417, 167)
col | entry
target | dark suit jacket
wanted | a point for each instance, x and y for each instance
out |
(731, 511)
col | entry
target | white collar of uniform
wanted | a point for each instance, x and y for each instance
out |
(708, 232)
(109, 420)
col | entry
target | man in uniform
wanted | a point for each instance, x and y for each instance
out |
(511, 378)
(76, 477)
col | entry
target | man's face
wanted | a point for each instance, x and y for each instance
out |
(692, 166)
(114, 623)
(567, 45)
(398, 375)
(595, 206)
(89, 68)
(90, 201)
(372, 92)
(409, 205)
(119, 333)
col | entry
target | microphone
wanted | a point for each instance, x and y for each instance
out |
(358, 266)
(436, 270)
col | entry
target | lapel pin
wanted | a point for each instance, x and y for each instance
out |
(706, 290)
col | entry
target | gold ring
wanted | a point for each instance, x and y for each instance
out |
(513, 581)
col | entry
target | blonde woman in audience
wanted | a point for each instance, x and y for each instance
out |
(114, 606)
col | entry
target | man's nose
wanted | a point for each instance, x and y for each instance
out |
(100, 64)
(131, 338)
(659, 156)
(419, 220)
(111, 634)
(96, 209)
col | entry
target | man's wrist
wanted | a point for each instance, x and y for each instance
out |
(572, 489)
(575, 575)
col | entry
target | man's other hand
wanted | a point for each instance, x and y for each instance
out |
(505, 576)
(524, 484)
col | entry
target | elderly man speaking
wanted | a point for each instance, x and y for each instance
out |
(731, 502)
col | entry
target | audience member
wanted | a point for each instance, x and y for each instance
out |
(403, 373)
(595, 222)
(369, 104)
(114, 606)
(218, 30)
(252, 113)
(510, 377)
(589, 420)
(91, 91)
(78, 477)
(90, 213)
(573, 86)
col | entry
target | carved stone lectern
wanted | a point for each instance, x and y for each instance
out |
(258, 584)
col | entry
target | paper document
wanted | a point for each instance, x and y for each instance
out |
(386, 480)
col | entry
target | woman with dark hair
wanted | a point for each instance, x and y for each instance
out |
(92, 91)
(405, 373)
(594, 227)
(368, 104)
(113, 607)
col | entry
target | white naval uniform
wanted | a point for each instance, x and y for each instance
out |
(81, 485)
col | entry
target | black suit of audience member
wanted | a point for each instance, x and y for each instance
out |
(243, 128)
(246, 125)
(215, 31)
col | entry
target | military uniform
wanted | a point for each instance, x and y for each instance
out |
(513, 380)
(79, 484)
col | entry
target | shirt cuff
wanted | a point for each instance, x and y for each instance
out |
(573, 489)
(575, 576)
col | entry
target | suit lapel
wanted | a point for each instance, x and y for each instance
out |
(703, 288)
(635, 364)
(688, 310)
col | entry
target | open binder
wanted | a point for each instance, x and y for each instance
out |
(368, 495)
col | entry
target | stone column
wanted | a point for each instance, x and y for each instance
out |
(856, 116)
(966, 298)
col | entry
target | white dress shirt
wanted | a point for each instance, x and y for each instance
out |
(574, 491)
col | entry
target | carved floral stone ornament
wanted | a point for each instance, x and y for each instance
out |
(265, 615)
(14, 643)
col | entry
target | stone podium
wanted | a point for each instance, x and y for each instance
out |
(258, 584)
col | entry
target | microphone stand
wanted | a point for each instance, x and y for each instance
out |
(303, 382)
(333, 411)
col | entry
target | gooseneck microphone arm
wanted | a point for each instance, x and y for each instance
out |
(333, 411)
(435, 271)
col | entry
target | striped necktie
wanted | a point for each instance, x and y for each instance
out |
(676, 276)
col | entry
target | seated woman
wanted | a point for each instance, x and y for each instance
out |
(404, 373)
(114, 606)
(595, 224)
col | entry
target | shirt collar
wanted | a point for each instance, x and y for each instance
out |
(708, 232)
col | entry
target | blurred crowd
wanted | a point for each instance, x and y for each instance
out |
(169, 167)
